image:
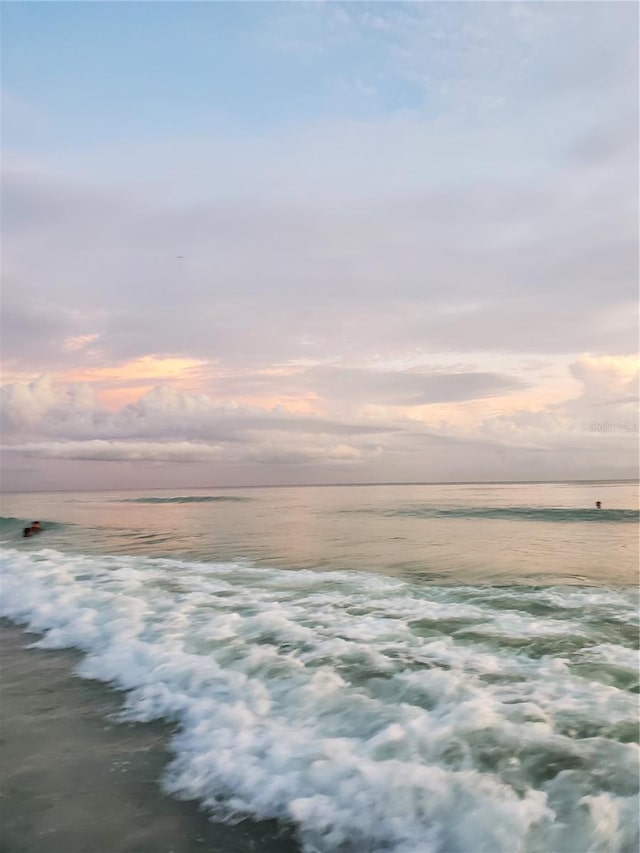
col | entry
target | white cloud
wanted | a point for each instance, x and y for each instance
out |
(594, 431)
(603, 418)
(282, 450)
(100, 450)
(164, 412)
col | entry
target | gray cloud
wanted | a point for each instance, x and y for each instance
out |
(410, 388)
(285, 452)
(34, 327)
(487, 268)
(100, 450)
(347, 238)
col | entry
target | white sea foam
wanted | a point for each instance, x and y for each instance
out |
(374, 714)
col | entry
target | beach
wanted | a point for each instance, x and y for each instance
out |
(73, 779)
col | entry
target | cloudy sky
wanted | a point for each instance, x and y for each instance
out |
(256, 243)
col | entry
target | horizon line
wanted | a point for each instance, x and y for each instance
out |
(628, 480)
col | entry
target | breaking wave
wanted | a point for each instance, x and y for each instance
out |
(372, 713)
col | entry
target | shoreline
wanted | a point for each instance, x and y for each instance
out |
(73, 779)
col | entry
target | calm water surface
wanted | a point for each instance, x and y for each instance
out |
(538, 533)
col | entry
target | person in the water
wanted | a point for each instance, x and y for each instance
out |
(598, 504)
(33, 528)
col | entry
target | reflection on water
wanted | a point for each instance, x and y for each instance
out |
(532, 533)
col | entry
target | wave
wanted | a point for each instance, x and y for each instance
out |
(372, 713)
(189, 499)
(518, 513)
(10, 525)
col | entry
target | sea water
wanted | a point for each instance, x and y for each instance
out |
(424, 669)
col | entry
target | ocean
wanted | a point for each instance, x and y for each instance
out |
(390, 669)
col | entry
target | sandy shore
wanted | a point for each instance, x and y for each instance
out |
(75, 781)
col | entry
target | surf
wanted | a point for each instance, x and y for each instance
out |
(368, 711)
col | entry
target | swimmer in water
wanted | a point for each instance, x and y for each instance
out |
(598, 504)
(31, 530)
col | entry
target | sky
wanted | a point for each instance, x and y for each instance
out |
(292, 243)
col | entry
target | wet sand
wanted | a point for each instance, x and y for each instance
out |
(75, 781)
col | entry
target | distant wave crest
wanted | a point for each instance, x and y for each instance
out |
(188, 499)
(520, 513)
